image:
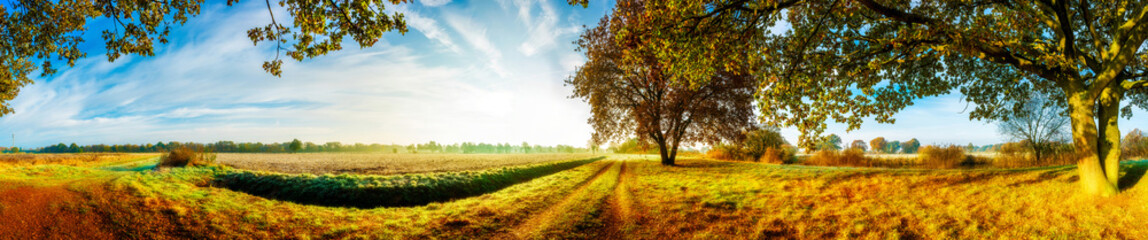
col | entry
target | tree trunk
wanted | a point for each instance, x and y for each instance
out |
(667, 159)
(1037, 151)
(1108, 116)
(1084, 137)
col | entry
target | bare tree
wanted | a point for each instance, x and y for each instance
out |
(1039, 124)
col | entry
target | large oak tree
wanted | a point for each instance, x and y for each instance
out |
(850, 60)
(632, 94)
(36, 34)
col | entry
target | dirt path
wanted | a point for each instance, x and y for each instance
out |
(48, 212)
(553, 215)
(619, 217)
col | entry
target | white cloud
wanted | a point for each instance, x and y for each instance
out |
(542, 33)
(430, 28)
(434, 3)
(475, 34)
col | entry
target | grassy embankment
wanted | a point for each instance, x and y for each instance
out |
(370, 191)
(634, 199)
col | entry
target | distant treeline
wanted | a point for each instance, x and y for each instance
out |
(286, 147)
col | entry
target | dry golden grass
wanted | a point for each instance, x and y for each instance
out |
(729, 200)
(71, 159)
(383, 163)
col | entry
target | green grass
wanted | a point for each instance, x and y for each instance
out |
(370, 191)
(183, 196)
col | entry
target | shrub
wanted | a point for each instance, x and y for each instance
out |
(763, 144)
(726, 152)
(757, 142)
(184, 156)
(850, 157)
(1019, 154)
(780, 155)
(942, 157)
(1013, 154)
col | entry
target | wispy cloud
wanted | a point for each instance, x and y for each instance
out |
(543, 32)
(475, 34)
(434, 3)
(429, 28)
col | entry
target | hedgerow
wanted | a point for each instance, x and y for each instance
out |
(370, 191)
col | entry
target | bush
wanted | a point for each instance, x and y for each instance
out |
(184, 156)
(781, 155)
(942, 157)
(850, 157)
(1019, 154)
(758, 145)
(757, 142)
(726, 152)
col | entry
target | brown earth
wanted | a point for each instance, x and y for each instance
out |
(51, 212)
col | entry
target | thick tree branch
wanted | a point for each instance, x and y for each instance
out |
(898, 15)
(1129, 36)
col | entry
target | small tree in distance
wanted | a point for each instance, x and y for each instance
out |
(893, 147)
(832, 142)
(1135, 144)
(295, 145)
(879, 145)
(910, 147)
(858, 144)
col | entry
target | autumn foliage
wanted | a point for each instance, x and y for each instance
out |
(630, 93)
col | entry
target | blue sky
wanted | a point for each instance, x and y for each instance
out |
(485, 71)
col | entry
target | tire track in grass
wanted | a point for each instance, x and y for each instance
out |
(554, 215)
(619, 218)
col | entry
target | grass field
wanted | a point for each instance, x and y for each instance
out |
(82, 159)
(622, 197)
(375, 163)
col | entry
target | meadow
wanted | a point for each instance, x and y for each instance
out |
(382, 163)
(620, 197)
(83, 159)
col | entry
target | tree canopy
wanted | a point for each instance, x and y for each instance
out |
(858, 144)
(911, 146)
(879, 145)
(631, 94)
